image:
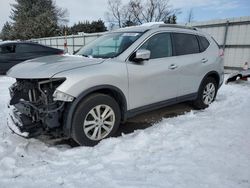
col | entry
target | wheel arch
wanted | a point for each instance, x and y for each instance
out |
(212, 74)
(110, 90)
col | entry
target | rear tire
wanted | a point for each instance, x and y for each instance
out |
(206, 94)
(96, 117)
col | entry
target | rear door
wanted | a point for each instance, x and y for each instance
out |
(191, 62)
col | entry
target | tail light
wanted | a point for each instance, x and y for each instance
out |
(61, 53)
(221, 52)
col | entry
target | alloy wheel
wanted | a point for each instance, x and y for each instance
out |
(209, 93)
(99, 122)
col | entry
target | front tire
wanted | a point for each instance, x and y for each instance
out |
(97, 117)
(207, 93)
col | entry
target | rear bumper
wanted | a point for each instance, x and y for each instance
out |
(22, 125)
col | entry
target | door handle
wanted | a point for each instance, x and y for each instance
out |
(204, 60)
(173, 66)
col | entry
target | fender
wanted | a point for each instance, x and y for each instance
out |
(70, 109)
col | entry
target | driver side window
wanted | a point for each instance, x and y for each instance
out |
(159, 45)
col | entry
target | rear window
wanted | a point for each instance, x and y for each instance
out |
(25, 48)
(185, 44)
(204, 43)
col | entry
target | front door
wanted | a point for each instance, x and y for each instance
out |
(155, 80)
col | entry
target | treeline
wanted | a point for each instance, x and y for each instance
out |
(33, 19)
(86, 27)
(42, 18)
(9, 31)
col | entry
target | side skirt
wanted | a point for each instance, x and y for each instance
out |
(133, 112)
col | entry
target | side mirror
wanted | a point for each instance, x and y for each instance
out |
(142, 55)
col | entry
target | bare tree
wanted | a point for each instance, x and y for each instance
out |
(140, 11)
(151, 10)
(190, 16)
(115, 12)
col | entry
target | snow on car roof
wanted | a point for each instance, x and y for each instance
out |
(155, 25)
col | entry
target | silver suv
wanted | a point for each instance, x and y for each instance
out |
(117, 76)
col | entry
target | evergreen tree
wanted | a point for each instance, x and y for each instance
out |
(81, 27)
(171, 19)
(6, 33)
(128, 23)
(36, 18)
(87, 27)
(98, 26)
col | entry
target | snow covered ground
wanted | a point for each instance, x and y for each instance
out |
(209, 148)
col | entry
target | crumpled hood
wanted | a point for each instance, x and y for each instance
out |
(46, 67)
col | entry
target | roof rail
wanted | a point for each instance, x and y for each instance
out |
(178, 26)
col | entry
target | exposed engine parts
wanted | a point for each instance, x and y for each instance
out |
(34, 99)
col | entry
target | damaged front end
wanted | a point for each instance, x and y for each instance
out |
(36, 106)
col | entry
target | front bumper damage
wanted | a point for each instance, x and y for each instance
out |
(33, 110)
(23, 126)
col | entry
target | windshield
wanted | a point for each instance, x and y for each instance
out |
(109, 46)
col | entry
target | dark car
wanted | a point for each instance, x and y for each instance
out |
(12, 53)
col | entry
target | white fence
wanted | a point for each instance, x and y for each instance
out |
(74, 42)
(233, 35)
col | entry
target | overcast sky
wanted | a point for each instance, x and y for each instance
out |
(80, 10)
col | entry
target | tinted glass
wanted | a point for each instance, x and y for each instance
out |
(159, 45)
(22, 48)
(204, 43)
(8, 49)
(38, 48)
(185, 44)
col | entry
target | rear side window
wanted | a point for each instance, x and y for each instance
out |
(7, 49)
(22, 48)
(38, 48)
(203, 43)
(159, 45)
(185, 44)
